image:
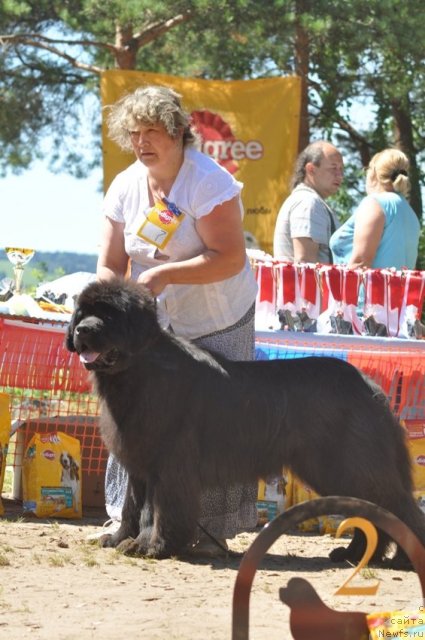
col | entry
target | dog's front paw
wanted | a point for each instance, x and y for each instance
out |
(143, 547)
(113, 539)
(130, 547)
(108, 540)
(138, 546)
(340, 554)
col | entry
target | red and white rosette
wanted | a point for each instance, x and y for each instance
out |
(340, 290)
(308, 299)
(394, 300)
(265, 305)
(287, 287)
(413, 296)
(376, 296)
(331, 282)
(351, 281)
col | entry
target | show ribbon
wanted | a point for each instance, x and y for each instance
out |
(266, 283)
(173, 208)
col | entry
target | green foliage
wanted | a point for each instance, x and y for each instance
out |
(363, 65)
(421, 257)
(42, 273)
(351, 191)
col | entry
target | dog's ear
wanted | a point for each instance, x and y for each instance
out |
(142, 317)
(69, 337)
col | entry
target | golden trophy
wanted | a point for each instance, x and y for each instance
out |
(19, 257)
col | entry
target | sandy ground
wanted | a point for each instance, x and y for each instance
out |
(56, 584)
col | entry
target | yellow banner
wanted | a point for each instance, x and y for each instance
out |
(249, 126)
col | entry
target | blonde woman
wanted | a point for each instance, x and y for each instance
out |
(384, 230)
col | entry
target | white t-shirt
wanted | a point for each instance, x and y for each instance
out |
(201, 184)
(303, 215)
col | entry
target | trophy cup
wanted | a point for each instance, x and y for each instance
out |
(19, 257)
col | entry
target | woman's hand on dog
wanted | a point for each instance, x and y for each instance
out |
(155, 280)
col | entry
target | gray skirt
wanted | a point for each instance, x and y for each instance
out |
(224, 511)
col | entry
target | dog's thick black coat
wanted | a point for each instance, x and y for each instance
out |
(181, 419)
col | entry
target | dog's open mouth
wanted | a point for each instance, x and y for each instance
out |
(97, 360)
(87, 357)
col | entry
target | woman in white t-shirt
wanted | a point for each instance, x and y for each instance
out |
(175, 217)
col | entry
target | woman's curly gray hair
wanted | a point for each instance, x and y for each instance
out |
(149, 105)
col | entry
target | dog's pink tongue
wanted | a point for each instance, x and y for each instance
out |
(88, 356)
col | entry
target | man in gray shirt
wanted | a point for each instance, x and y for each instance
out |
(305, 222)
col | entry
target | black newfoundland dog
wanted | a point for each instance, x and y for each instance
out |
(181, 419)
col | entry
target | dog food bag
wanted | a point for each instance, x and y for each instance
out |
(51, 477)
(273, 498)
(4, 439)
(302, 493)
(416, 444)
(327, 524)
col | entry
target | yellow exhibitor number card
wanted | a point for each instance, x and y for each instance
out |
(161, 222)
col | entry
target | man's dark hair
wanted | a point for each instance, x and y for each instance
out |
(312, 153)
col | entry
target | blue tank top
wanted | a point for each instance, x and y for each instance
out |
(400, 238)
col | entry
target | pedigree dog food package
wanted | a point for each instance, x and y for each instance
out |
(416, 444)
(302, 493)
(326, 524)
(51, 476)
(4, 439)
(273, 497)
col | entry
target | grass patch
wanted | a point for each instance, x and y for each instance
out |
(91, 562)
(4, 560)
(58, 560)
(89, 558)
(369, 574)
(36, 559)
(130, 561)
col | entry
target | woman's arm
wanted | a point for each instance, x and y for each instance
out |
(113, 260)
(221, 232)
(368, 229)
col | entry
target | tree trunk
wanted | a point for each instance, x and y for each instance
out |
(403, 131)
(125, 48)
(302, 60)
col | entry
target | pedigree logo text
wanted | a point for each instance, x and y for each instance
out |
(219, 142)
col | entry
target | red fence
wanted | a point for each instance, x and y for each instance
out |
(49, 390)
(33, 356)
